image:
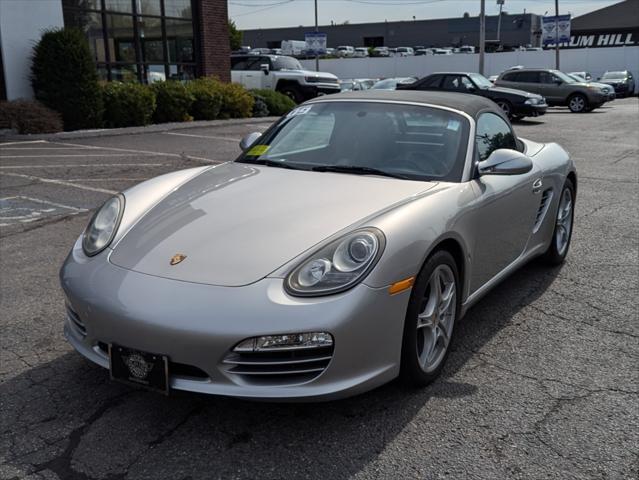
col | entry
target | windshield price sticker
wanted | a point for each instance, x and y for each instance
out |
(300, 111)
(453, 125)
(258, 150)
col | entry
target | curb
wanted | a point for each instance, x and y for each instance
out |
(114, 132)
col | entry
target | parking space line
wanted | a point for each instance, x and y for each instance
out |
(117, 149)
(46, 202)
(212, 137)
(72, 155)
(61, 182)
(21, 143)
(84, 165)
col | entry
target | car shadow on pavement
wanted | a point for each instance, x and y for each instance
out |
(66, 417)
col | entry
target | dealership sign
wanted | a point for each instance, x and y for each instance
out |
(315, 43)
(555, 29)
(618, 38)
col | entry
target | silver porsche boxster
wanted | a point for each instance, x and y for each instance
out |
(335, 254)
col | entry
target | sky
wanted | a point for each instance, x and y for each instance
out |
(249, 14)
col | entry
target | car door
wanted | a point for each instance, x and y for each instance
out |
(528, 82)
(432, 82)
(238, 65)
(253, 76)
(552, 87)
(506, 205)
(458, 83)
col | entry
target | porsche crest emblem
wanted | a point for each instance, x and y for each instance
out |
(177, 258)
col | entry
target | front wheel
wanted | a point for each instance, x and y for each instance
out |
(507, 107)
(432, 311)
(562, 234)
(578, 103)
(293, 93)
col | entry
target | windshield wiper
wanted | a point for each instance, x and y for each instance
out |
(272, 163)
(357, 170)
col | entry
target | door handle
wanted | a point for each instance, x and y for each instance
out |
(537, 184)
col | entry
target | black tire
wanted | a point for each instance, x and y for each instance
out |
(578, 103)
(411, 372)
(554, 255)
(506, 107)
(292, 92)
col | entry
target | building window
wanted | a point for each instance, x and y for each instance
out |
(143, 40)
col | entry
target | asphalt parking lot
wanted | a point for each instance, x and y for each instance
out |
(542, 382)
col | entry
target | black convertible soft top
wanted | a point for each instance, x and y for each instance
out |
(464, 102)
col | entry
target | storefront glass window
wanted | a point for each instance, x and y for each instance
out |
(121, 39)
(178, 8)
(149, 7)
(91, 24)
(150, 29)
(125, 6)
(179, 37)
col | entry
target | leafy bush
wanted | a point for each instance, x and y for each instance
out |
(65, 79)
(237, 102)
(173, 102)
(278, 104)
(28, 116)
(128, 104)
(207, 98)
(260, 109)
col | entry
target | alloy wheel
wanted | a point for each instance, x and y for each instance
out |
(436, 319)
(505, 106)
(564, 222)
(577, 104)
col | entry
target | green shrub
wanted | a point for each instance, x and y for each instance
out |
(64, 78)
(128, 104)
(207, 98)
(278, 104)
(173, 102)
(260, 109)
(28, 116)
(237, 102)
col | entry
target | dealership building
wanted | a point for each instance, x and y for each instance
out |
(141, 40)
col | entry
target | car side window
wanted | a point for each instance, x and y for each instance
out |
(509, 77)
(457, 83)
(254, 63)
(547, 77)
(528, 77)
(493, 133)
(432, 81)
(238, 63)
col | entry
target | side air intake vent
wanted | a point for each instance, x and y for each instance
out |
(546, 200)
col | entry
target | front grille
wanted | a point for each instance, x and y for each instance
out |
(75, 320)
(283, 367)
(176, 369)
(546, 198)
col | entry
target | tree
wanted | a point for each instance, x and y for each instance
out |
(64, 78)
(235, 36)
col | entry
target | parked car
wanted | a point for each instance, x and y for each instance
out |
(330, 52)
(361, 52)
(381, 52)
(422, 51)
(585, 75)
(405, 51)
(339, 251)
(392, 83)
(277, 51)
(493, 78)
(516, 104)
(283, 74)
(466, 49)
(607, 89)
(367, 83)
(442, 51)
(350, 85)
(345, 51)
(622, 81)
(293, 47)
(555, 86)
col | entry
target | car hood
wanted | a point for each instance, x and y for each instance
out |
(513, 91)
(236, 223)
(311, 73)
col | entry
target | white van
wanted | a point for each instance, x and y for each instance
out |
(345, 51)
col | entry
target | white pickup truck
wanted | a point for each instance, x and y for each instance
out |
(283, 74)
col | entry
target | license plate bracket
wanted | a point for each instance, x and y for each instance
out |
(144, 369)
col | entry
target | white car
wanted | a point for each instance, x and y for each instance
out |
(381, 52)
(361, 52)
(283, 74)
(442, 51)
(405, 51)
(466, 49)
(345, 51)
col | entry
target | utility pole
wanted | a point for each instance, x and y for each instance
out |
(501, 5)
(482, 36)
(316, 30)
(556, 34)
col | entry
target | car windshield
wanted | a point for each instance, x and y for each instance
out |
(388, 84)
(614, 76)
(481, 81)
(577, 78)
(565, 78)
(367, 138)
(286, 63)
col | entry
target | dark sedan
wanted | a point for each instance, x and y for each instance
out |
(623, 82)
(517, 104)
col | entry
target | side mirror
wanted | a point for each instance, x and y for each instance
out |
(504, 161)
(249, 140)
(265, 68)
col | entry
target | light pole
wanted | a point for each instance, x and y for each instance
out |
(316, 54)
(556, 34)
(501, 5)
(482, 35)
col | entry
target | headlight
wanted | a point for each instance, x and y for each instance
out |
(102, 227)
(339, 265)
(532, 101)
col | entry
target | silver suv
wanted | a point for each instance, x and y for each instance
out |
(556, 87)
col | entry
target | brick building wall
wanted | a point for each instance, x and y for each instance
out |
(213, 37)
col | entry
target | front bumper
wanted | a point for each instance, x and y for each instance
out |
(524, 110)
(197, 325)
